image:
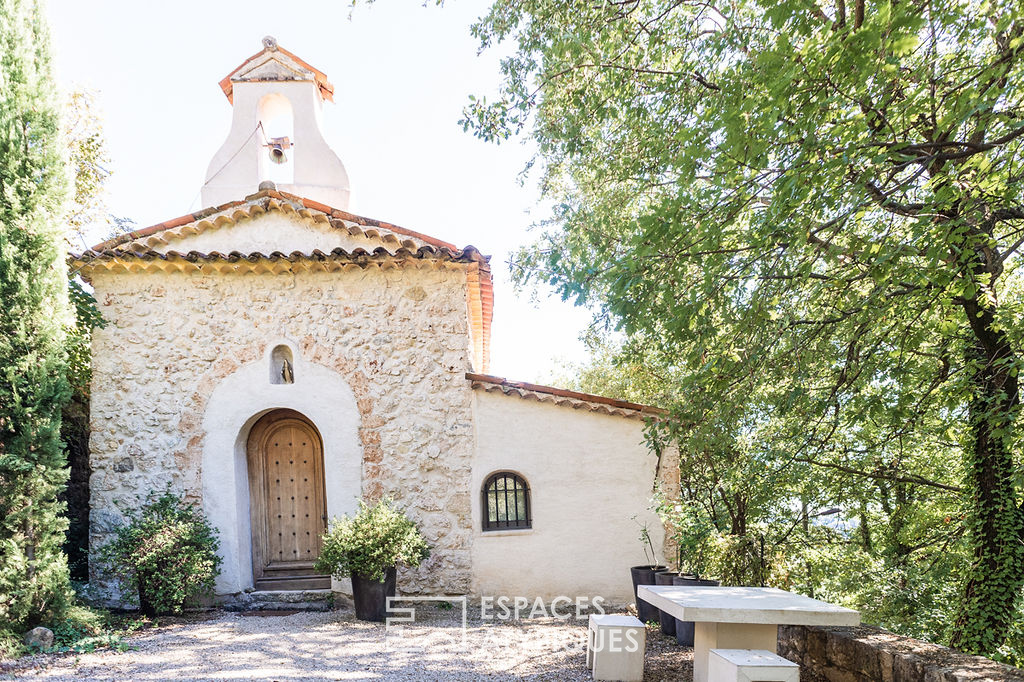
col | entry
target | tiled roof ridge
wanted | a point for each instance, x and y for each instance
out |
(480, 286)
(561, 396)
(265, 200)
(326, 88)
(470, 253)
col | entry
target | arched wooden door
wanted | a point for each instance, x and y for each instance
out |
(287, 503)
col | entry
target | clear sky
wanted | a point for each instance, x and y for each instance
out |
(402, 74)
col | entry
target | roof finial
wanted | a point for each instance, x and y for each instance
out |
(270, 42)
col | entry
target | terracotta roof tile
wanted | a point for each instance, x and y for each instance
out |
(561, 396)
(480, 288)
(326, 88)
(466, 255)
(259, 199)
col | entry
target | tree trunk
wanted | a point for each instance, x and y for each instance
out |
(864, 528)
(739, 516)
(900, 550)
(997, 574)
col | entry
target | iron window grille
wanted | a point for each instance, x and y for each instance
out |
(506, 502)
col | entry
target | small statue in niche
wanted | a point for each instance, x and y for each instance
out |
(286, 372)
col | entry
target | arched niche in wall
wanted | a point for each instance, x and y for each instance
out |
(282, 365)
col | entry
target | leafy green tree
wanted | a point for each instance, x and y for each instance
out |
(815, 211)
(86, 210)
(627, 369)
(33, 387)
(88, 159)
(751, 514)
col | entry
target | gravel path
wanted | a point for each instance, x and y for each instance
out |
(335, 646)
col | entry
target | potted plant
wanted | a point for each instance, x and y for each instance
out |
(644, 575)
(368, 547)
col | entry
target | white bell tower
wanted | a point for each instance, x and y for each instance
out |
(275, 133)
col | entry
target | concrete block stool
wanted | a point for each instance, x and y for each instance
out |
(615, 648)
(750, 665)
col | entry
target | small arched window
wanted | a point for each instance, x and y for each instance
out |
(506, 502)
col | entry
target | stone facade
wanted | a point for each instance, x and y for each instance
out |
(398, 336)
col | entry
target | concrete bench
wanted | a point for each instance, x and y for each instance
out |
(750, 665)
(615, 648)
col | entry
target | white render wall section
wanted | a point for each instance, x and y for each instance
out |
(589, 475)
(237, 168)
(322, 396)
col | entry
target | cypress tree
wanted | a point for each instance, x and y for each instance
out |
(33, 315)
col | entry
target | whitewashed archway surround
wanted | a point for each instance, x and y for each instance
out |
(238, 401)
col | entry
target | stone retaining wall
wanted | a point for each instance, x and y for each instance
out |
(867, 653)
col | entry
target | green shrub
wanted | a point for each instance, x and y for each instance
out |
(79, 629)
(11, 645)
(370, 542)
(84, 629)
(692, 534)
(167, 551)
(740, 559)
(78, 622)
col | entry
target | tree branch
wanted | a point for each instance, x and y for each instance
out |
(917, 480)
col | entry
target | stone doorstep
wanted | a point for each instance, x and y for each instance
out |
(281, 600)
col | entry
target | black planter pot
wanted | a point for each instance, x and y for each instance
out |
(684, 628)
(644, 575)
(370, 596)
(667, 622)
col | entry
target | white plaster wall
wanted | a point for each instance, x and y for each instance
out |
(269, 232)
(321, 395)
(236, 169)
(589, 475)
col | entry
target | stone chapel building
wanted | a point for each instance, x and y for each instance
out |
(276, 358)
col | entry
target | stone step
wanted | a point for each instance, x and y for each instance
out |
(282, 600)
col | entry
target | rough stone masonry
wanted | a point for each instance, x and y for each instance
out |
(399, 337)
